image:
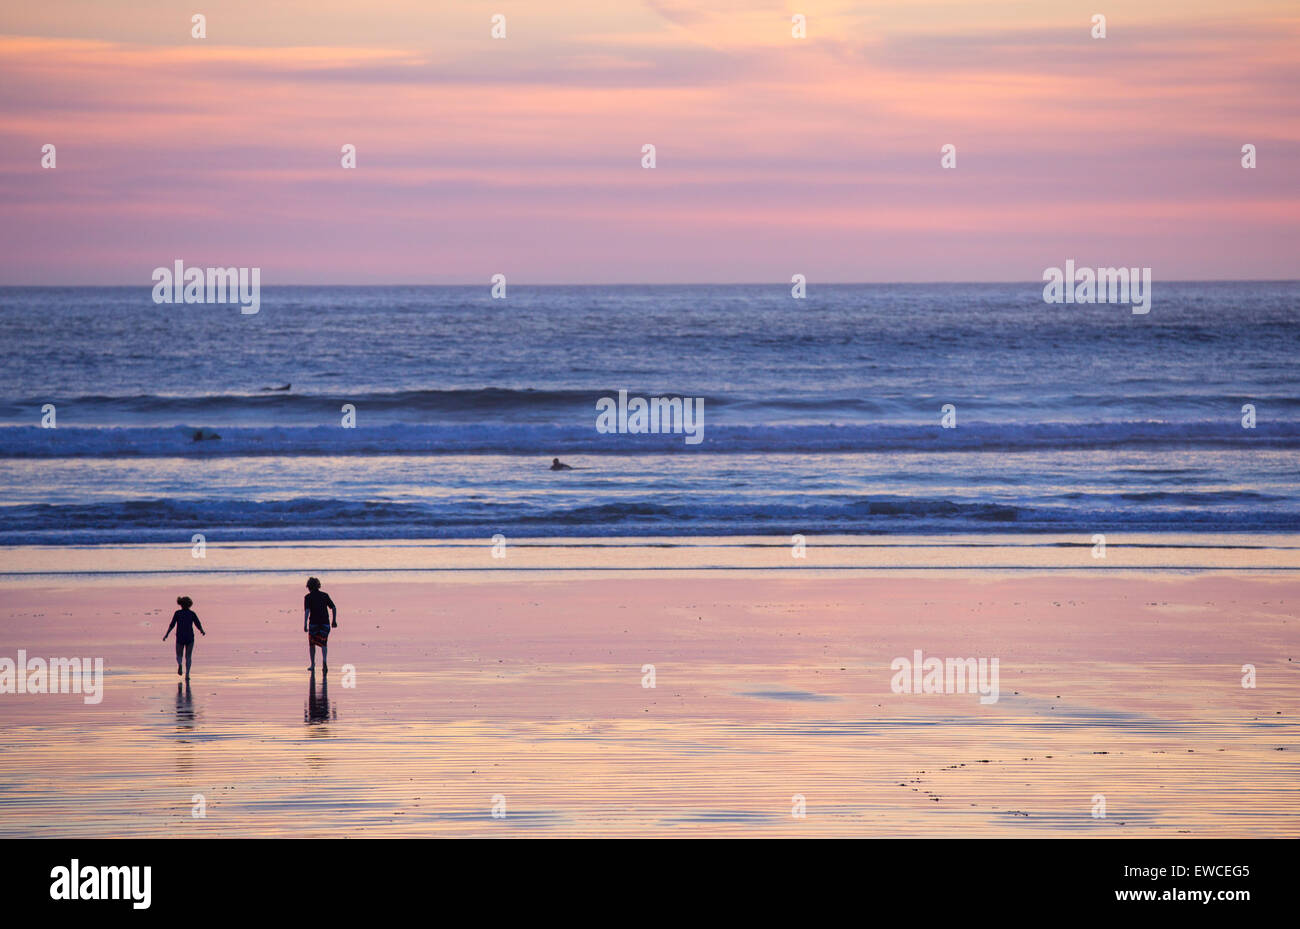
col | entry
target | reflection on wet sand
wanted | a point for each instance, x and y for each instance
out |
(185, 719)
(317, 709)
(766, 688)
(185, 714)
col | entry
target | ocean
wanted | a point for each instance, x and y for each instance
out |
(820, 416)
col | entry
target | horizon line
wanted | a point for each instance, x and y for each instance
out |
(488, 283)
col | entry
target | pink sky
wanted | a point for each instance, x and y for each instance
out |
(522, 155)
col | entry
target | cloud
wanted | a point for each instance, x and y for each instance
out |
(828, 147)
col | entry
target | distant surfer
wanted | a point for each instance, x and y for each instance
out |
(316, 622)
(557, 465)
(184, 621)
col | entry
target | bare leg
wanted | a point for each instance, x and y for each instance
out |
(311, 650)
(189, 657)
(325, 657)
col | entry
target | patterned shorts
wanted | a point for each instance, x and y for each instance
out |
(318, 635)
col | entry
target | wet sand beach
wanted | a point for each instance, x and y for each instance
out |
(451, 691)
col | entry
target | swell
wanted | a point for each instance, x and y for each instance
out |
(547, 439)
(160, 520)
(560, 406)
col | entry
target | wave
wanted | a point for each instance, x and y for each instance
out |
(174, 520)
(562, 406)
(286, 404)
(544, 439)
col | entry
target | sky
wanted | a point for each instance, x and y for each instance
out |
(522, 156)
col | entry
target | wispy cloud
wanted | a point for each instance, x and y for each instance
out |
(524, 153)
